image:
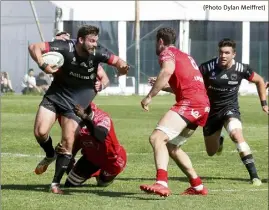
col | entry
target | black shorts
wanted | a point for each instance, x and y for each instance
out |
(52, 106)
(216, 120)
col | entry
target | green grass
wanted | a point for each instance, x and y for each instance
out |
(225, 175)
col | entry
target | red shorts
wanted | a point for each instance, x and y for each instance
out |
(116, 165)
(111, 164)
(196, 115)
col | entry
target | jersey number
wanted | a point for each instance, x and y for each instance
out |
(193, 63)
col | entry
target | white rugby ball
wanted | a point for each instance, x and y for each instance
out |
(53, 58)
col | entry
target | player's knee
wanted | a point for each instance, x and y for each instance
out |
(234, 129)
(40, 133)
(156, 139)
(210, 153)
(153, 138)
(236, 134)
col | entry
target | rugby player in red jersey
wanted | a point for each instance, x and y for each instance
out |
(102, 154)
(191, 109)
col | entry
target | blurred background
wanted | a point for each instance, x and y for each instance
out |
(128, 29)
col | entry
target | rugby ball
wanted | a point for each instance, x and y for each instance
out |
(53, 58)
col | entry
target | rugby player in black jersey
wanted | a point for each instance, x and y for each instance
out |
(102, 79)
(73, 83)
(223, 76)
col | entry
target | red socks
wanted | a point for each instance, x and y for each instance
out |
(162, 175)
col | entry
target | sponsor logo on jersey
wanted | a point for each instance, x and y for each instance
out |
(233, 76)
(232, 82)
(212, 76)
(54, 48)
(198, 78)
(77, 75)
(83, 64)
(224, 76)
(74, 62)
(91, 69)
(218, 89)
(222, 89)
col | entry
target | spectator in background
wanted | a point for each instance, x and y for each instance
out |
(43, 82)
(29, 83)
(6, 85)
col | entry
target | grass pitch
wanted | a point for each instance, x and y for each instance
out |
(225, 175)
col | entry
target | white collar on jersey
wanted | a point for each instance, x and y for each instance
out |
(217, 61)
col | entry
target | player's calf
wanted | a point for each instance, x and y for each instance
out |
(221, 140)
(248, 160)
(234, 128)
(63, 159)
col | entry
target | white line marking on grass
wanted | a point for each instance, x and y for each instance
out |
(238, 190)
(19, 155)
(130, 153)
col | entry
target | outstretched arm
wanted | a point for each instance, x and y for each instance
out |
(103, 80)
(120, 64)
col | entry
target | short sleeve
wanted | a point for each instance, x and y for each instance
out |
(248, 73)
(59, 46)
(105, 122)
(103, 55)
(166, 55)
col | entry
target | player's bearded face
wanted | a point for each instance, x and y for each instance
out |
(90, 43)
(226, 55)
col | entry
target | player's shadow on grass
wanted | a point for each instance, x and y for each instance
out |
(106, 193)
(26, 187)
(184, 179)
(70, 191)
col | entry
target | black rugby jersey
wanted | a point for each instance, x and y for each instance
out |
(74, 82)
(223, 84)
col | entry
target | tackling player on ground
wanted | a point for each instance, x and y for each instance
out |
(102, 154)
(223, 76)
(73, 83)
(179, 123)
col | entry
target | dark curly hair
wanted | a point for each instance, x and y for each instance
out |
(168, 35)
(226, 42)
(86, 30)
